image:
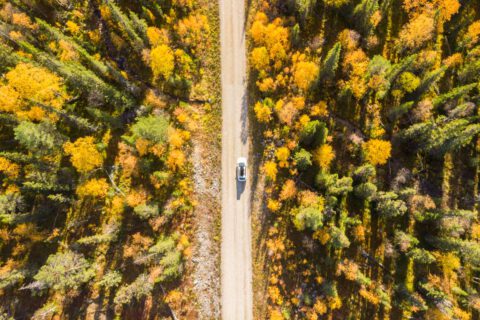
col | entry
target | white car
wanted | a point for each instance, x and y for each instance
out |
(242, 169)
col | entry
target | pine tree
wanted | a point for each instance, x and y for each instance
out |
(167, 255)
(330, 63)
(138, 289)
(42, 138)
(64, 272)
(364, 14)
(126, 26)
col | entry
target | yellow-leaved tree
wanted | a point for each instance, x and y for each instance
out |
(473, 33)
(273, 205)
(27, 84)
(9, 168)
(355, 63)
(276, 315)
(259, 58)
(96, 188)
(176, 159)
(257, 31)
(193, 30)
(282, 155)
(162, 61)
(263, 112)
(376, 151)
(272, 36)
(9, 99)
(305, 72)
(324, 156)
(157, 36)
(448, 8)
(417, 31)
(83, 154)
(270, 169)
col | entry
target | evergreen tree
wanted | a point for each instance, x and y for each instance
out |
(330, 64)
(64, 272)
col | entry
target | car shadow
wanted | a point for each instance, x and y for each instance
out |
(240, 188)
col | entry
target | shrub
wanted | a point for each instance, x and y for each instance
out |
(364, 173)
(389, 206)
(408, 82)
(308, 218)
(152, 128)
(366, 190)
(314, 133)
(303, 159)
(339, 239)
(146, 211)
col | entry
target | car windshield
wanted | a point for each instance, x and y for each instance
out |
(242, 171)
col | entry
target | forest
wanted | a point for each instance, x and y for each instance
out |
(100, 103)
(365, 114)
(364, 165)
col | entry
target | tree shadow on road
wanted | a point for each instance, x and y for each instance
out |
(248, 4)
(244, 119)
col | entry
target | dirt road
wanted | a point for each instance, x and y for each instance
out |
(236, 234)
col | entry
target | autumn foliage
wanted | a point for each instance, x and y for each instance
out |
(84, 154)
(96, 121)
(377, 152)
(368, 112)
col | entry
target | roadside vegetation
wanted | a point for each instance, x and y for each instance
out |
(99, 105)
(369, 158)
